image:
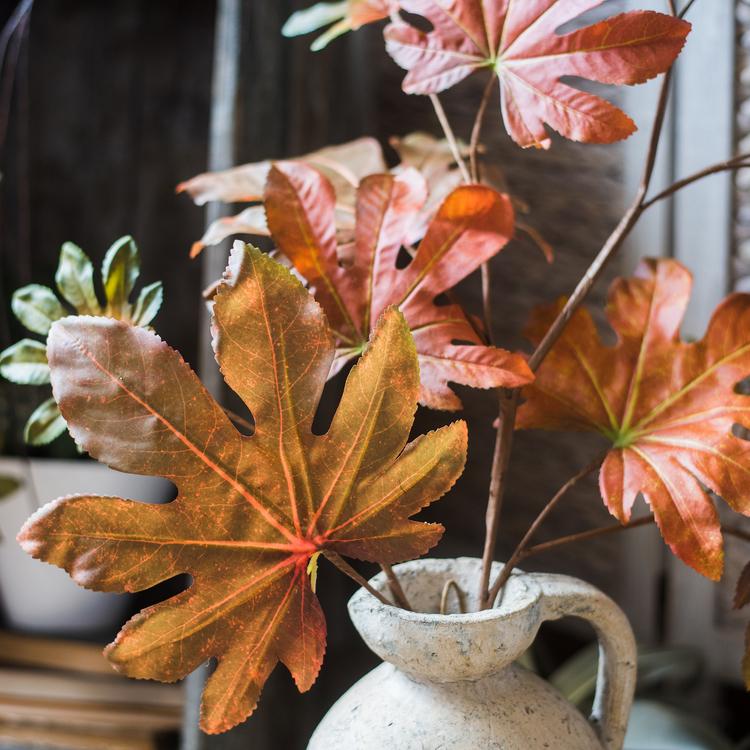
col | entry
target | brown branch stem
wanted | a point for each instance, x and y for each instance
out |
(335, 559)
(614, 528)
(518, 553)
(737, 162)
(450, 136)
(504, 440)
(584, 536)
(395, 586)
(476, 130)
(498, 480)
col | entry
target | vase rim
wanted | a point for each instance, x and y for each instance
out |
(523, 592)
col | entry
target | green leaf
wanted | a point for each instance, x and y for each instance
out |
(37, 307)
(25, 363)
(75, 280)
(148, 304)
(8, 485)
(313, 18)
(45, 424)
(120, 271)
(337, 30)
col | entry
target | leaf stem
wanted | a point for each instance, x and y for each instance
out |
(476, 130)
(614, 528)
(518, 553)
(738, 162)
(348, 570)
(610, 247)
(450, 136)
(395, 586)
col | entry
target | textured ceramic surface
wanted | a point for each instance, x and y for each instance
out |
(449, 681)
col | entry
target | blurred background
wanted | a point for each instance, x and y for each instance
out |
(105, 106)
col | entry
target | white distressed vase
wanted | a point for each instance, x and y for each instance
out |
(450, 682)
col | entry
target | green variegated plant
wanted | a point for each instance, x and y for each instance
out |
(37, 307)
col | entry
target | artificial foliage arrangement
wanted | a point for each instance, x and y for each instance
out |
(37, 307)
(365, 262)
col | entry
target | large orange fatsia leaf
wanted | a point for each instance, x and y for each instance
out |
(668, 407)
(472, 224)
(251, 511)
(520, 43)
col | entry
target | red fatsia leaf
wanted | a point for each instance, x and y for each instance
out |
(472, 224)
(667, 406)
(251, 511)
(518, 41)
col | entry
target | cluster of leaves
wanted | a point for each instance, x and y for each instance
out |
(356, 282)
(345, 166)
(38, 307)
(519, 44)
(252, 513)
(667, 407)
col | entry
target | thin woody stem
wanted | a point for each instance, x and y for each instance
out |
(518, 553)
(476, 130)
(686, 9)
(498, 475)
(614, 528)
(450, 136)
(584, 536)
(503, 445)
(348, 570)
(395, 586)
(738, 162)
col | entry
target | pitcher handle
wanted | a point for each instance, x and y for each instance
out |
(563, 596)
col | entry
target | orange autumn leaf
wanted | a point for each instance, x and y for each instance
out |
(668, 407)
(355, 284)
(520, 43)
(251, 511)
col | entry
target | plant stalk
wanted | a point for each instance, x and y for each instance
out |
(348, 570)
(518, 553)
(450, 137)
(395, 586)
(504, 439)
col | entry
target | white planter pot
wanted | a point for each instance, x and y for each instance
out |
(39, 598)
(449, 681)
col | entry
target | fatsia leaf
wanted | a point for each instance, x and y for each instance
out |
(75, 280)
(148, 303)
(251, 512)
(37, 308)
(345, 166)
(519, 43)
(45, 424)
(25, 363)
(472, 224)
(344, 16)
(120, 270)
(668, 407)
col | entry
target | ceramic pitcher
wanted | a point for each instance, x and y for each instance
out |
(450, 681)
